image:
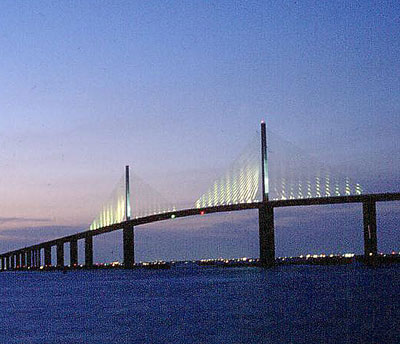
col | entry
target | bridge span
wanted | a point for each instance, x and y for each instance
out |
(30, 257)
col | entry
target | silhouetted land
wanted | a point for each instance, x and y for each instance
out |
(374, 261)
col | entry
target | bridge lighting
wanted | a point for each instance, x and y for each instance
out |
(202, 212)
(173, 216)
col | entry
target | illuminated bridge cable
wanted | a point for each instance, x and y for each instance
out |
(113, 211)
(145, 200)
(294, 174)
(240, 183)
(291, 174)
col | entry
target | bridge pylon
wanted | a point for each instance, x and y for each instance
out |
(266, 211)
(128, 231)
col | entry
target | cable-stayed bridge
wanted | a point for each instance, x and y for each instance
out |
(263, 177)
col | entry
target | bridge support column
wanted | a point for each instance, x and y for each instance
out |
(39, 258)
(73, 253)
(370, 236)
(266, 235)
(12, 261)
(3, 263)
(129, 249)
(23, 259)
(7, 262)
(29, 258)
(47, 256)
(89, 251)
(32, 255)
(60, 255)
(34, 258)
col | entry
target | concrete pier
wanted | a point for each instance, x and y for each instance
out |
(60, 255)
(39, 257)
(47, 256)
(18, 257)
(29, 258)
(370, 236)
(7, 262)
(34, 258)
(23, 259)
(266, 235)
(89, 251)
(129, 250)
(73, 252)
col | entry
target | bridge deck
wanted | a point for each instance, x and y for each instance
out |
(381, 197)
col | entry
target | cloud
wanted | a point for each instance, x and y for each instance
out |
(22, 219)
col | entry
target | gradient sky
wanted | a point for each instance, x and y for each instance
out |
(175, 89)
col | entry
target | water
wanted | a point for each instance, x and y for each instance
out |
(293, 304)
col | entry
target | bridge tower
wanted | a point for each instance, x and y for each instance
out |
(370, 236)
(128, 230)
(266, 211)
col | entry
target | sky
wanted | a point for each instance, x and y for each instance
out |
(175, 89)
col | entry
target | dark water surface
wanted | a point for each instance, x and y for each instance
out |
(295, 304)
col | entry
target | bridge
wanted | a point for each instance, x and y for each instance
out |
(246, 185)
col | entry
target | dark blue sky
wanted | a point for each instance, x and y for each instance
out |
(176, 89)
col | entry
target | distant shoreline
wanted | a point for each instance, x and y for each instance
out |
(321, 260)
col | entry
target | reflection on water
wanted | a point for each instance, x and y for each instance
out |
(292, 304)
